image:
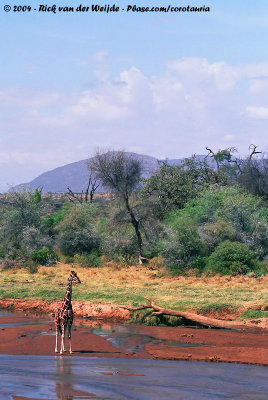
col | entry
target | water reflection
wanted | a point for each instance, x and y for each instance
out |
(65, 381)
(46, 377)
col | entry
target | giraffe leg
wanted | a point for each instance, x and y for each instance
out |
(63, 329)
(69, 337)
(56, 346)
(58, 333)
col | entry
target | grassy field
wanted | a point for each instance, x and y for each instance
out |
(131, 285)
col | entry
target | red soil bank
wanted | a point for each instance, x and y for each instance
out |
(199, 344)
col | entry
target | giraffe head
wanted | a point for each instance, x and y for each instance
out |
(73, 277)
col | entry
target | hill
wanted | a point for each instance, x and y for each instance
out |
(75, 176)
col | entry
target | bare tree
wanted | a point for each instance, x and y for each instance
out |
(87, 196)
(120, 173)
(253, 149)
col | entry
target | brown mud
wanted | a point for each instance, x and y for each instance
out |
(81, 309)
(181, 343)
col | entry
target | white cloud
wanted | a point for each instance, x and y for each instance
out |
(257, 112)
(193, 103)
(100, 55)
(229, 138)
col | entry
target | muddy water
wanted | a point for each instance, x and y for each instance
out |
(54, 377)
(66, 378)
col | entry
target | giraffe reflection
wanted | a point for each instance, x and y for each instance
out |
(64, 385)
(65, 378)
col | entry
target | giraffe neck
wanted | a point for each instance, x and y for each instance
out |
(68, 296)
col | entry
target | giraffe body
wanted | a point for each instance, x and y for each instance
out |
(64, 315)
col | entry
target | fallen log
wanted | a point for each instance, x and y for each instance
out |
(200, 319)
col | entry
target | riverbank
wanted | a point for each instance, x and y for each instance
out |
(33, 334)
(222, 297)
(96, 302)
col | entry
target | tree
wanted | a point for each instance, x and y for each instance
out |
(253, 173)
(120, 173)
(21, 223)
(217, 215)
(92, 186)
(221, 156)
(171, 186)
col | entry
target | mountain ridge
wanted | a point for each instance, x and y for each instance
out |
(75, 175)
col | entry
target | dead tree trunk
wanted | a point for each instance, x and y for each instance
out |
(136, 226)
(200, 319)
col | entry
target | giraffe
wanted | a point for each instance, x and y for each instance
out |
(64, 315)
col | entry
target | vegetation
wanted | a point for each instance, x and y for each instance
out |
(130, 285)
(205, 216)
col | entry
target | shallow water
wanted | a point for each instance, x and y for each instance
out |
(68, 378)
(125, 337)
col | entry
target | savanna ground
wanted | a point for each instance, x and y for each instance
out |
(221, 296)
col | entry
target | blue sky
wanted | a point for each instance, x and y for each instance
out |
(166, 85)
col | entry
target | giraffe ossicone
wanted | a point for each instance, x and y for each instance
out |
(64, 315)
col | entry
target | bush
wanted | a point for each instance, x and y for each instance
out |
(226, 214)
(183, 249)
(2, 252)
(118, 240)
(45, 256)
(123, 259)
(22, 259)
(77, 234)
(23, 212)
(33, 239)
(214, 233)
(231, 258)
(8, 264)
(92, 259)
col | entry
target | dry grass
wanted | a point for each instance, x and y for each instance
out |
(131, 285)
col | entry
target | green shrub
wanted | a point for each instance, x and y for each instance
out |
(183, 248)
(77, 233)
(92, 259)
(144, 317)
(31, 266)
(231, 258)
(214, 233)
(49, 222)
(123, 259)
(67, 259)
(45, 256)
(118, 240)
(2, 252)
(21, 259)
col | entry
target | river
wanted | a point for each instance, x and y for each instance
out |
(67, 378)
(43, 377)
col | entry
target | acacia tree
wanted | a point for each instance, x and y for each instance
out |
(171, 186)
(121, 173)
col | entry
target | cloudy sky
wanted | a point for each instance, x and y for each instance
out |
(165, 85)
